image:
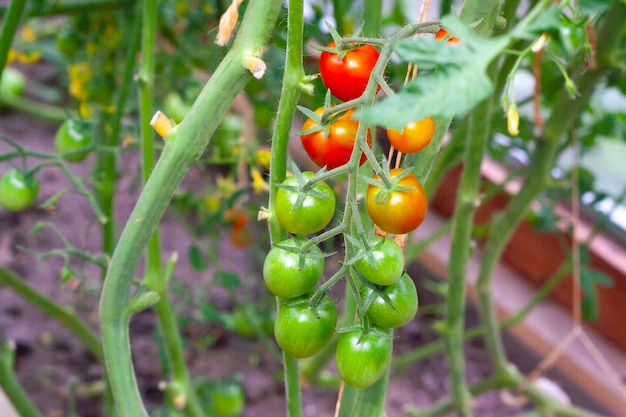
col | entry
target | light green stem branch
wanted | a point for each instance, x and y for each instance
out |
(63, 316)
(12, 387)
(290, 94)
(462, 222)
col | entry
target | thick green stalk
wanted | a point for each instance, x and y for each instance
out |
(12, 387)
(9, 26)
(63, 316)
(564, 115)
(292, 81)
(155, 278)
(462, 223)
(372, 17)
(146, 84)
(341, 11)
(184, 145)
(105, 166)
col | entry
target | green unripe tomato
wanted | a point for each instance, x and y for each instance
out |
(67, 41)
(225, 140)
(288, 273)
(17, 192)
(175, 107)
(385, 264)
(228, 400)
(402, 305)
(362, 358)
(13, 82)
(315, 212)
(302, 331)
(73, 141)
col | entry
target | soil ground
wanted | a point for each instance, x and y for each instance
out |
(48, 357)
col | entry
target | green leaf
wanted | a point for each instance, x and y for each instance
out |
(227, 280)
(453, 78)
(590, 7)
(196, 258)
(548, 21)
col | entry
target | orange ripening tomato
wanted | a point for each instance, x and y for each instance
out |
(414, 137)
(397, 211)
(442, 33)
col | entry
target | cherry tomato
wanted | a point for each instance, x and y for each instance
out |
(302, 331)
(334, 149)
(17, 191)
(12, 83)
(289, 273)
(397, 211)
(402, 305)
(386, 265)
(67, 41)
(73, 140)
(347, 78)
(315, 212)
(228, 400)
(442, 33)
(175, 106)
(362, 358)
(414, 137)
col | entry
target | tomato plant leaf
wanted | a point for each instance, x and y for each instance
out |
(196, 258)
(548, 21)
(227, 280)
(590, 7)
(453, 78)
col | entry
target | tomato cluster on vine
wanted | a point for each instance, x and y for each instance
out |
(304, 205)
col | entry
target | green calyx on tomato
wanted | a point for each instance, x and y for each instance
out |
(346, 73)
(302, 208)
(393, 305)
(382, 263)
(331, 145)
(18, 190)
(228, 400)
(288, 272)
(363, 357)
(400, 208)
(302, 330)
(74, 140)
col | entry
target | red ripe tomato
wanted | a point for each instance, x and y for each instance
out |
(347, 78)
(334, 149)
(397, 211)
(414, 137)
(442, 33)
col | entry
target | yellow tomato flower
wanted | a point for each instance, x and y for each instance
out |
(258, 182)
(263, 157)
(79, 74)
